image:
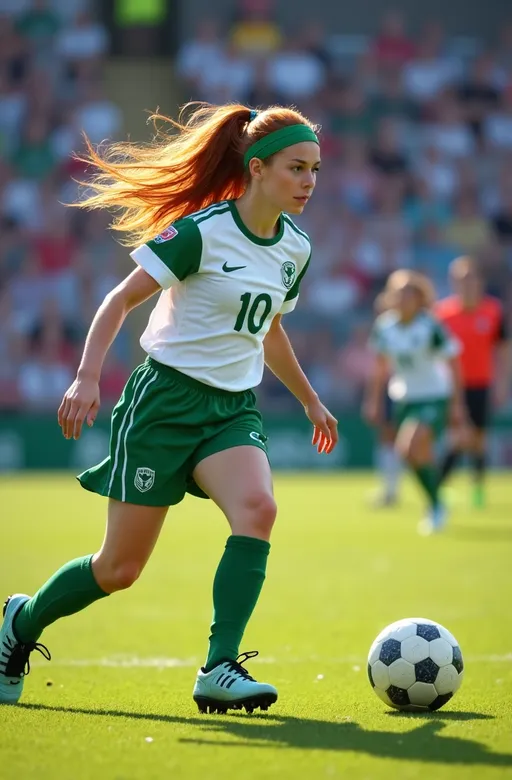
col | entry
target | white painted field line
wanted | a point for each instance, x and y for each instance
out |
(127, 662)
(130, 662)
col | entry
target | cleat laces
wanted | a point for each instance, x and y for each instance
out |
(237, 668)
(14, 657)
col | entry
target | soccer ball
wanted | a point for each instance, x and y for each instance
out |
(415, 664)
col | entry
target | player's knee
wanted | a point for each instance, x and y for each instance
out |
(417, 449)
(258, 513)
(414, 460)
(405, 449)
(114, 576)
(412, 453)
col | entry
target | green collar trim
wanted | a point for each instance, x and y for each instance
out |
(251, 236)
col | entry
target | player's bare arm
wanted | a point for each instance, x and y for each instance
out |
(281, 359)
(82, 400)
(372, 405)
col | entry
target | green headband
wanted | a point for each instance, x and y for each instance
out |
(278, 140)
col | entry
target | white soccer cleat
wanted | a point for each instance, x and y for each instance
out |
(229, 686)
(381, 499)
(434, 522)
(14, 655)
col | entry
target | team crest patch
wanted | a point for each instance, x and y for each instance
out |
(288, 273)
(166, 235)
(144, 479)
(259, 437)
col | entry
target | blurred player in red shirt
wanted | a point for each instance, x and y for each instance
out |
(477, 321)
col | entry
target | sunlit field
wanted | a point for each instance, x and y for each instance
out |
(115, 702)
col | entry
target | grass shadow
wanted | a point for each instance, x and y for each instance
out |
(462, 716)
(273, 731)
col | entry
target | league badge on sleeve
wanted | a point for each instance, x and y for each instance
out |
(166, 235)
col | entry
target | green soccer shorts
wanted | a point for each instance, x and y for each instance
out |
(164, 424)
(432, 413)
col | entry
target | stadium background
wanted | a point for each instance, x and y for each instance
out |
(415, 103)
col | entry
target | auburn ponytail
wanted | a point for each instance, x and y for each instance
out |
(152, 185)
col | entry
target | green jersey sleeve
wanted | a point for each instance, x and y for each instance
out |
(173, 255)
(292, 295)
(442, 342)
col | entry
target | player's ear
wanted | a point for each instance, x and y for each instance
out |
(256, 167)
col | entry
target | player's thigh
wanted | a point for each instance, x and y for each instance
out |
(239, 481)
(467, 438)
(414, 441)
(131, 534)
(461, 437)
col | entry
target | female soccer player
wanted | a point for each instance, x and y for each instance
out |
(425, 386)
(206, 209)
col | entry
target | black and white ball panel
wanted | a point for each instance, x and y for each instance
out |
(415, 664)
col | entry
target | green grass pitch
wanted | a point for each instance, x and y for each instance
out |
(115, 703)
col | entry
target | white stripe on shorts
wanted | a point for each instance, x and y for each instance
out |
(120, 432)
(123, 476)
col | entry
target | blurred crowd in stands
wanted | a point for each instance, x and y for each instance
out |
(417, 163)
(417, 169)
(56, 263)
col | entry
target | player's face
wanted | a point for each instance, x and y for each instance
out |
(468, 286)
(407, 301)
(289, 179)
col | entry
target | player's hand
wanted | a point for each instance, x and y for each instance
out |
(372, 412)
(81, 402)
(325, 433)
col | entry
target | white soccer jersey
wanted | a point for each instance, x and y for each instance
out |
(417, 351)
(222, 286)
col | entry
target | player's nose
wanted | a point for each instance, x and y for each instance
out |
(309, 180)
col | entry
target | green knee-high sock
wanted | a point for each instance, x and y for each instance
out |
(71, 589)
(429, 480)
(236, 589)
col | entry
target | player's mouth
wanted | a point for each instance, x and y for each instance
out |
(302, 198)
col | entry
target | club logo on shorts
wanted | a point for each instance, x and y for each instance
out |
(259, 437)
(166, 235)
(144, 479)
(288, 273)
